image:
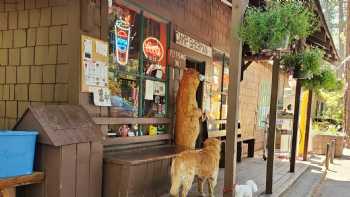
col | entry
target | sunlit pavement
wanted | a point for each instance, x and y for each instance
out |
(337, 182)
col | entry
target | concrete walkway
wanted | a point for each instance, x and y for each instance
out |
(337, 181)
(310, 180)
(255, 169)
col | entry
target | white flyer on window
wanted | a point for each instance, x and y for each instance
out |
(149, 90)
(102, 96)
(159, 88)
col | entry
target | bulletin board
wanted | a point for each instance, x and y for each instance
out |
(94, 69)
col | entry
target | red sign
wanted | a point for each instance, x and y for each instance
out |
(153, 49)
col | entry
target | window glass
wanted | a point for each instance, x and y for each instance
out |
(215, 106)
(137, 57)
(131, 130)
(217, 70)
(124, 39)
(124, 96)
(223, 106)
(226, 74)
(154, 99)
(154, 48)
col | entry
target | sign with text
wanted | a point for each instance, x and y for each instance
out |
(153, 49)
(190, 43)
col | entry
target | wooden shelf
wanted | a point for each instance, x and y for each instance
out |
(110, 120)
(217, 121)
(136, 139)
(36, 177)
(217, 133)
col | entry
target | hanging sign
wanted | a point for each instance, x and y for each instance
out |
(153, 49)
(190, 43)
(122, 41)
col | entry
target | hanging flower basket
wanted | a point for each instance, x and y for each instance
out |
(277, 25)
(304, 64)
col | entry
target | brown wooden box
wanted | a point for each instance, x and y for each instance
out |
(139, 173)
(69, 152)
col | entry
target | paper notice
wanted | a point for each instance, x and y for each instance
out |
(149, 90)
(90, 73)
(101, 48)
(102, 96)
(159, 88)
(159, 74)
(87, 49)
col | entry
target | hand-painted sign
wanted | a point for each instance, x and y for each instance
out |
(122, 40)
(188, 42)
(153, 49)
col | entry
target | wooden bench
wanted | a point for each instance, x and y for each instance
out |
(240, 142)
(141, 172)
(8, 185)
(251, 144)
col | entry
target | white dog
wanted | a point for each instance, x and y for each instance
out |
(246, 190)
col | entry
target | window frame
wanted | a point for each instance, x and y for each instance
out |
(140, 76)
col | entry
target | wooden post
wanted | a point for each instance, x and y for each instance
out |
(299, 47)
(295, 126)
(272, 126)
(327, 156)
(238, 8)
(332, 151)
(308, 121)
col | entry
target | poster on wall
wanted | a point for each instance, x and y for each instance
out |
(94, 72)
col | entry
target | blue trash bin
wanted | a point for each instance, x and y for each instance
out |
(17, 149)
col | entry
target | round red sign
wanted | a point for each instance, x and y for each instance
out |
(153, 49)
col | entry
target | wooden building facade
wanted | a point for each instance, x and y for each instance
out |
(40, 62)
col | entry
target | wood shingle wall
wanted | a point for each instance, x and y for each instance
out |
(33, 56)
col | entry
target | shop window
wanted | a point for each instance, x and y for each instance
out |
(137, 57)
(154, 103)
(219, 86)
(153, 47)
(218, 61)
(132, 130)
(218, 90)
(124, 39)
(125, 95)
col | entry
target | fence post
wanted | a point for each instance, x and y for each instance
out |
(327, 156)
(333, 150)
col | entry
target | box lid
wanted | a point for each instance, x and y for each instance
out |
(60, 124)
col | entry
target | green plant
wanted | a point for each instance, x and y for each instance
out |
(325, 80)
(306, 63)
(334, 102)
(268, 28)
